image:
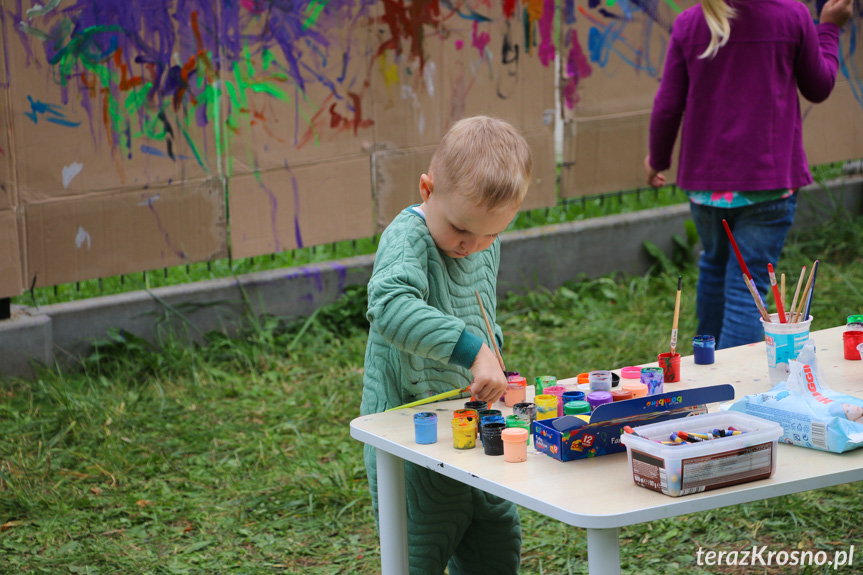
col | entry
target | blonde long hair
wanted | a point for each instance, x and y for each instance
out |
(718, 15)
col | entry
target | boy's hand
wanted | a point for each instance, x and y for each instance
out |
(489, 382)
(836, 12)
(654, 178)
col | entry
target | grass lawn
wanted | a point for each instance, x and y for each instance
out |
(236, 456)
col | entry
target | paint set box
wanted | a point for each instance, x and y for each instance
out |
(601, 435)
(677, 470)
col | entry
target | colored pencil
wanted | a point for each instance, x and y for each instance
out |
(805, 295)
(764, 315)
(438, 397)
(792, 309)
(780, 311)
(490, 332)
(811, 291)
(676, 315)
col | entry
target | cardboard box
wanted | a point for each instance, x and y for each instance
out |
(602, 435)
(688, 468)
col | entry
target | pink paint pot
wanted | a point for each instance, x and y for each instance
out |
(514, 444)
(630, 372)
(670, 364)
(516, 390)
(636, 388)
(557, 391)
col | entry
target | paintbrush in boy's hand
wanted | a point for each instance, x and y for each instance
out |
(490, 333)
(438, 397)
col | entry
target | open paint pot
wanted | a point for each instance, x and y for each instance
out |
(425, 427)
(630, 372)
(670, 364)
(516, 389)
(703, 348)
(492, 442)
(463, 433)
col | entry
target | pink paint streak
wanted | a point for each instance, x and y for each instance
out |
(480, 40)
(577, 67)
(459, 44)
(546, 34)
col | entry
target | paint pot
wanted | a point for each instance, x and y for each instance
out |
(597, 398)
(784, 341)
(515, 390)
(486, 419)
(703, 347)
(557, 391)
(469, 414)
(670, 364)
(851, 340)
(425, 427)
(615, 380)
(546, 406)
(477, 405)
(855, 319)
(463, 433)
(514, 444)
(526, 409)
(636, 388)
(583, 378)
(571, 396)
(600, 380)
(652, 377)
(543, 381)
(520, 421)
(570, 384)
(630, 372)
(620, 395)
(576, 407)
(492, 441)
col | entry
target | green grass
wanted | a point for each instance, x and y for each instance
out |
(235, 456)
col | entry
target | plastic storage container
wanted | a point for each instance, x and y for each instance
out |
(677, 470)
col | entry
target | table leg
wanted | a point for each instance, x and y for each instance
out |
(392, 514)
(603, 552)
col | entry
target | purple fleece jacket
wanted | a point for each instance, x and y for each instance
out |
(742, 128)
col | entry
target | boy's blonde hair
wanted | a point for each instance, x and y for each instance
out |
(485, 159)
(718, 15)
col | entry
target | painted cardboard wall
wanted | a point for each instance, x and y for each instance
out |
(137, 135)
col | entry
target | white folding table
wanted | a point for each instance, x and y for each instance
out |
(598, 494)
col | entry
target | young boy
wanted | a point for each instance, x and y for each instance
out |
(428, 334)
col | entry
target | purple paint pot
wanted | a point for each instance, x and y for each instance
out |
(597, 398)
(425, 427)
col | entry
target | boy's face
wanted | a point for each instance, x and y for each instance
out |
(457, 226)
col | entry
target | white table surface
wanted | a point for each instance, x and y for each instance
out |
(599, 493)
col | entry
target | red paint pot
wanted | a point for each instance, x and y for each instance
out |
(850, 340)
(620, 395)
(670, 364)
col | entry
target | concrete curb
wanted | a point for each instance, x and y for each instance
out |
(547, 256)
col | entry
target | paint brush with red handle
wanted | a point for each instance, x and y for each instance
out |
(780, 310)
(755, 292)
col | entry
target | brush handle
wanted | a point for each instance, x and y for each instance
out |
(796, 294)
(805, 295)
(490, 332)
(780, 311)
(676, 315)
(811, 291)
(438, 397)
(761, 309)
(737, 251)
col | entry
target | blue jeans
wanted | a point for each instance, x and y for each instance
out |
(724, 306)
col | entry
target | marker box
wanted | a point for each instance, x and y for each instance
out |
(601, 436)
(688, 468)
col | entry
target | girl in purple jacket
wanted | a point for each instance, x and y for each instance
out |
(731, 75)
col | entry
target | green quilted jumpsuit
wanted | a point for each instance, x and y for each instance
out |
(426, 329)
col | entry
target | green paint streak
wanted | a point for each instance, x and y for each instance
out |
(677, 9)
(136, 98)
(194, 149)
(271, 90)
(315, 8)
(611, 3)
(267, 57)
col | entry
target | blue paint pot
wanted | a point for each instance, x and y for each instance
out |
(572, 396)
(492, 418)
(425, 427)
(703, 347)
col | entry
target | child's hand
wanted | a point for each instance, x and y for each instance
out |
(654, 178)
(489, 382)
(836, 11)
